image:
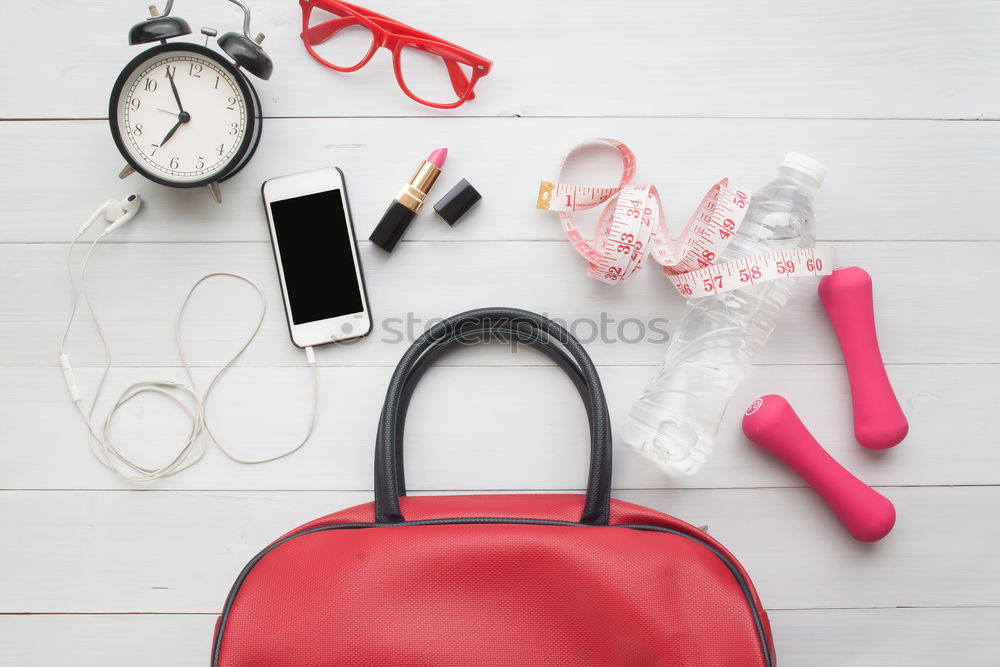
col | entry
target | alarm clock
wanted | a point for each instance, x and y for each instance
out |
(183, 115)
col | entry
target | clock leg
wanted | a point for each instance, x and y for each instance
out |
(213, 189)
(126, 171)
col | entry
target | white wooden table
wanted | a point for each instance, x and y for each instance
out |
(896, 97)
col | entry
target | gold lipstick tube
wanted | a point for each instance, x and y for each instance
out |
(404, 207)
(413, 194)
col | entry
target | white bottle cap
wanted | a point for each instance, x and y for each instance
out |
(806, 165)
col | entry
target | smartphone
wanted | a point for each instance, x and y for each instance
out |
(317, 257)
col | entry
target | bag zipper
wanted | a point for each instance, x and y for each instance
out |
(765, 647)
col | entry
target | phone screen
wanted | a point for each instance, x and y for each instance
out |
(316, 256)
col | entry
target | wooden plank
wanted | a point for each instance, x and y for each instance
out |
(858, 637)
(176, 551)
(882, 183)
(875, 637)
(460, 435)
(138, 287)
(844, 59)
(156, 640)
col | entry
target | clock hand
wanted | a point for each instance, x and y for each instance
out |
(173, 87)
(170, 133)
(182, 117)
(172, 113)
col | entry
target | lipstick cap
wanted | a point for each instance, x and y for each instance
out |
(391, 227)
(457, 202)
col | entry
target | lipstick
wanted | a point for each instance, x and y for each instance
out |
(408, 201)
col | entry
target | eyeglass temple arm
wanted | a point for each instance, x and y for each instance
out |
(390, 24)
(458, 79)
(413, 32)
(393, 25)
(321, 32)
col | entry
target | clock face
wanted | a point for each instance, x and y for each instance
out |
(182, 116)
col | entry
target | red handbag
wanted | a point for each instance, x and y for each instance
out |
(539, 579)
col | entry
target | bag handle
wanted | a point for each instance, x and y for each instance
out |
(482, 325)
(482, 335)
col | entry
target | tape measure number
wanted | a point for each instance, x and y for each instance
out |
(632, 226)
(720, 278)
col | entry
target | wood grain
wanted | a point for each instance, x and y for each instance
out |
(817, 58)
(137, 289)
(888, 180)
(460, 434)
(179, 551)
(805, 638)
(877, 637)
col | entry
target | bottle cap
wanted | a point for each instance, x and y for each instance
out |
(457, 202)
(806, 165)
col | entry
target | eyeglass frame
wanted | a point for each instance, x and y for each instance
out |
(394, 36)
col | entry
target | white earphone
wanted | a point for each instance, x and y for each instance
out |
(118, 213)
(114, 211)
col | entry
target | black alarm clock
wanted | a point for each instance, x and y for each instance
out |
(182, 114)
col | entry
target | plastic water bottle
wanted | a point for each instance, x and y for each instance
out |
(675, 420)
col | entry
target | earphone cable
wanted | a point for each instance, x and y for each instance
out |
(184, 395)
(218, 375)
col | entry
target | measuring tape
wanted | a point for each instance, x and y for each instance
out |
(632, 226)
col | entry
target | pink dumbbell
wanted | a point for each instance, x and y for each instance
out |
(878, 420)
(773, 425)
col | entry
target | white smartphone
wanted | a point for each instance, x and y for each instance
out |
(317, 257)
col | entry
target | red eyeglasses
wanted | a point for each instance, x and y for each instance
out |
(344, 37)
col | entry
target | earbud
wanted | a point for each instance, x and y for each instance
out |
(116, 212)
(119, 213)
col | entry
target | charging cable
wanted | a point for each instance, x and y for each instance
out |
(184, 395)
